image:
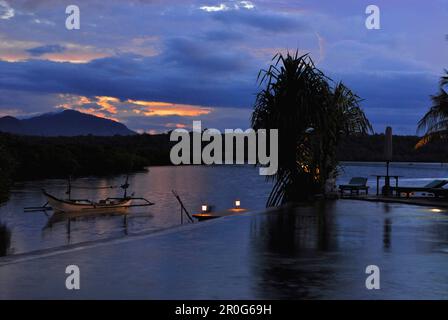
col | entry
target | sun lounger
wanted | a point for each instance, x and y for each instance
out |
(434, 187)
(354, 186)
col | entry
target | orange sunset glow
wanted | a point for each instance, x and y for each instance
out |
(105, 103)
(157, 108)
(118, 110)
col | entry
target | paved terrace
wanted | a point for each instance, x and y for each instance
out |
(319, 251)
(414, 200)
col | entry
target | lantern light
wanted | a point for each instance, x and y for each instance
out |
(237, 203)
(204, 208)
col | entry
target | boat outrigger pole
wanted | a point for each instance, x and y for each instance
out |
(125, 187)
(77, 205)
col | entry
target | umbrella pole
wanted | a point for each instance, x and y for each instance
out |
(388, 158)
(387, 170)
(387, 180)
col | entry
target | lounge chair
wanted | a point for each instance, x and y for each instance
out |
(354, 186)
(434, 187)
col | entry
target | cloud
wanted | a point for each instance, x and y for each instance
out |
(203, 57)
(107, 103)
(159, 116)
(41, 50)
(103, 107)
(234, 5)
(113, 106)
(157, 108)
(221, 7)
(187, 72)
(44, 22)
(228, 36)
(397, 99)
(6, 12)
(262, 20)
(173, 52)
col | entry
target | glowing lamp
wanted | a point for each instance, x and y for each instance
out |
(237, 204)
(204, 208)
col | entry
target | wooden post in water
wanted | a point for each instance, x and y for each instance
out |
(182, 209)
(388, 158)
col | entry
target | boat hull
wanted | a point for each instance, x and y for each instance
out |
(59, 205)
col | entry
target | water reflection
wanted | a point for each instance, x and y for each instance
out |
(289, 244)
(67, 219)
(216, 185)
(387, 233)
(321, 251)
(5, 239)
(195, 185)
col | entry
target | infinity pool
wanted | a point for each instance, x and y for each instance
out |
(317, 251)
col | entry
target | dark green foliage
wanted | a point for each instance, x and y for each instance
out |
(59, 157)
(26, 158)
(311, 114)
(435, 122)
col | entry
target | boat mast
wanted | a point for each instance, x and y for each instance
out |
(125, 187)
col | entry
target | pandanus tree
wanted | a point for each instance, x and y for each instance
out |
(311, 115)
(435, 122)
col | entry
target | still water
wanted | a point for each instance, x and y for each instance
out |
(22, 232)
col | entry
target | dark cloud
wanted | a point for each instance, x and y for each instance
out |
(51, 48)
(204, 57)
(176, 52)
(397, 99)
(224, 36)
(185, 80)
(266, 21)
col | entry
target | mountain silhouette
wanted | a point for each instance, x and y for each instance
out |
(65, 123)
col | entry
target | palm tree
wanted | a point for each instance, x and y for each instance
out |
(435, 121)
(311, 116)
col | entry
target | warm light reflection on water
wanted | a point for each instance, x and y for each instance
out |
(218, 186)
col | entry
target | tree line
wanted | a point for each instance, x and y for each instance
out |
(29, 158)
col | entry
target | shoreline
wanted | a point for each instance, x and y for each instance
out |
(147, 168)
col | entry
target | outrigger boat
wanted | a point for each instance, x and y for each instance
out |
(109, 204)
(71, 205)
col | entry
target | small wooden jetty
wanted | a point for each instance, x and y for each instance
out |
(213, 215)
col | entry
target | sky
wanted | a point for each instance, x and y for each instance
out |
(156, 65)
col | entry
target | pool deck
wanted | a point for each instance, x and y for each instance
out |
(417, 201)
(312, 252)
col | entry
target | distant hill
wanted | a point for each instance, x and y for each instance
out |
(67, 123)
